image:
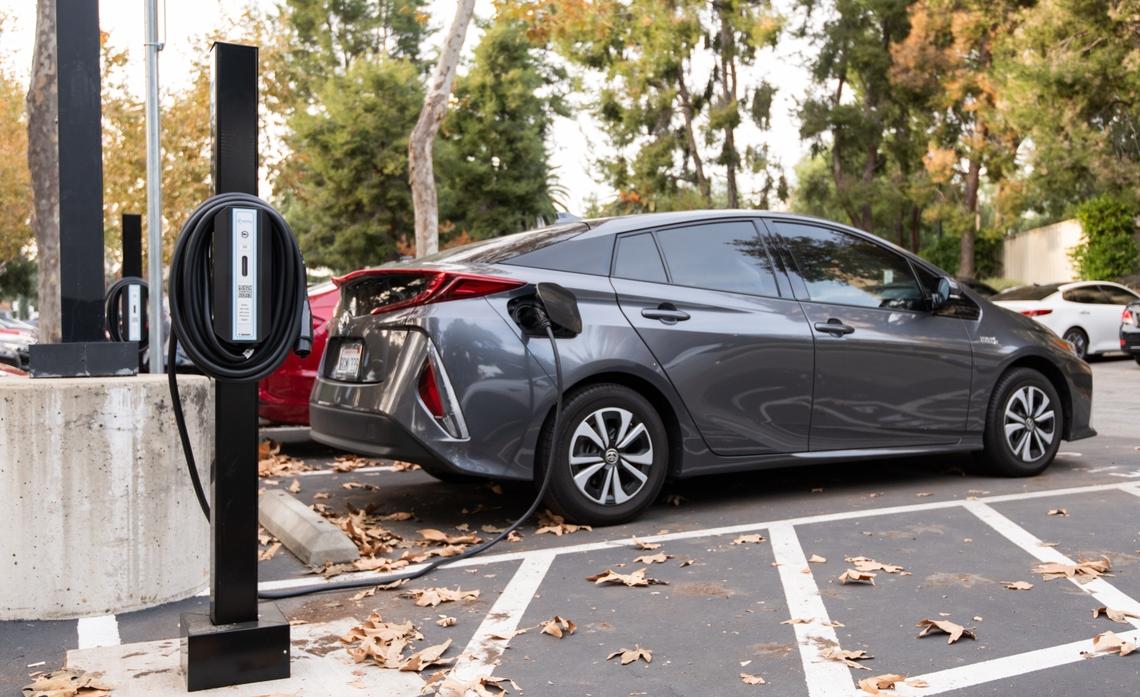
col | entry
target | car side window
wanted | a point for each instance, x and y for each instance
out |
(728, 255)
(846, 269)
(1119, 296)
(638, 259)
(1086, 295)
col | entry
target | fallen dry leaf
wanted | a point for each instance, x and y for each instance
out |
(1017, 585)
(923, 494)
(867, 564)
(440, 537)
(67, 682)
(659, 558)
(445, 621)
(1082, 571)
(816, 559)
(1113, 614)
(956, 631)
(749, 679)
(295, 487)
(748, 539)
(321, 496)
(630, 655)
(688, 562)
(798, 620)
(645, 546)
(430, 597)
(853, 576)
(917, 682)
(381, 642)
(425, 658)
(633, 579)
(1060, 512)
(555, 524)
(558, 626)
(267, 553)
(397, 516)
(1109, 641)
(401, 466)
(480, 687)
(874, 684)
(834, 653)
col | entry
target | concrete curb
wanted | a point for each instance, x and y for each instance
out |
(314, 540)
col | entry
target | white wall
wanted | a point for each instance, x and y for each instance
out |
(1041, 255)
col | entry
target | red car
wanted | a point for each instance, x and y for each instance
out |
(284, 396)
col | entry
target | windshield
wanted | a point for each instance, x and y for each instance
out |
(1033, 292)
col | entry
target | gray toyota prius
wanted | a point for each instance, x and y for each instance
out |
(710, 341)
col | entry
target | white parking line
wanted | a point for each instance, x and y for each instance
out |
(1002, 668)
(1098, 588)
(825, 678)
(482, 653)
(320, 472)
(707, 532)
(98, 631)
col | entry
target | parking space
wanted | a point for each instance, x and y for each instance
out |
(756, 608)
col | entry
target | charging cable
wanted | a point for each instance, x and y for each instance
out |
(540, 319)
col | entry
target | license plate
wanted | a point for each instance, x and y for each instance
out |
(348, 361)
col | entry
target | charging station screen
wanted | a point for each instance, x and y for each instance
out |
(244, 272)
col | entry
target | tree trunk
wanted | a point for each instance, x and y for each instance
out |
(421, 174)
(915, 221)
(970, 198)
(43, 165)
(687, 111)
(728, 94)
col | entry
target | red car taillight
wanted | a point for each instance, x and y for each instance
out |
(1036, 313)
(1126, 317)
(375, 291)
(429, 391)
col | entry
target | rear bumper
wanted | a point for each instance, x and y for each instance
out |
(1130, 341)
(367, 433)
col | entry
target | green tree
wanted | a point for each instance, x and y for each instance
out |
(1108, 247)
(492, 152)
(15, 183)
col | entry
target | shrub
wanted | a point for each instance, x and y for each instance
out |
(1107, 249)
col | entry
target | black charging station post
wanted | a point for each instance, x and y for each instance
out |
(241, 640)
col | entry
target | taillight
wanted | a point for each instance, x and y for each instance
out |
(376, 291)
(1126, 317)
(1036, 313)
(429, 391)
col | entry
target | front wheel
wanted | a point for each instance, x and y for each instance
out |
(1023, 425)
(610, 456)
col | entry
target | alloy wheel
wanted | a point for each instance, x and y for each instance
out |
(1030, 423)
(610, 456)
(1079, 342)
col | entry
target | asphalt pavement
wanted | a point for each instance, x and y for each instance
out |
(751, 571)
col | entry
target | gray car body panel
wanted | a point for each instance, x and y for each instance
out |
(755, 413)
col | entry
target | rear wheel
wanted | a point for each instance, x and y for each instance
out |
(610, 457)
(1023, 425)
(1080, 341)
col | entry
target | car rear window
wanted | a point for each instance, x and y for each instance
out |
(1033, 292)
(499, 250)
(590, 255)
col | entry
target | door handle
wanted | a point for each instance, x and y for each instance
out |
(834, 327)
(665, 312)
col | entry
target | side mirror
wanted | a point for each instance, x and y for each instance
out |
(561, 307)
(948, 291)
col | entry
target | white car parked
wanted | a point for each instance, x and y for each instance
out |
(1084, 313)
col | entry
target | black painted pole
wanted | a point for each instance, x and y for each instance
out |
(132, 245)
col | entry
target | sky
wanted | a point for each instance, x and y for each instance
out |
(572, 140)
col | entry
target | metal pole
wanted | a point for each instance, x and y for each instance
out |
(154, 190)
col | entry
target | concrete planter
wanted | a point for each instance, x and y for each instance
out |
(99, 515)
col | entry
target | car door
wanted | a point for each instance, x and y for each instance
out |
(1116, 299)
(1090, 310)
(888, 372)
(707, 301)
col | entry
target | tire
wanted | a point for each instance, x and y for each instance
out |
(1028, 450)
(1137, 359)
(594, 498)
(1080, 341)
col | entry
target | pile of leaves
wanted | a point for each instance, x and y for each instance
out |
(271, 463)
(1083, 571)
(555, 524)
(384, 643)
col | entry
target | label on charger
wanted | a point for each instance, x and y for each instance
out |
(244, 291)
(134, 312)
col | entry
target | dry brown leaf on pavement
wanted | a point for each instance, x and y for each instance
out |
(956, 631)
(68, 682)
(916, 682)
(440, 537)
(425, 658)
(1109, 642)
(868, 564)
(268, 553)
(853, 576)
(816, 559)
(397, 516)
(1059, 512)
(630, 655)
(381, 642)
(873, 685)
(834, 653)
(645, 546)
(633, 579)
(558, 626)
(748, 539)
(750, 679)
(550, 522)
(798, 620)
(1017, 585)
(430, 597)
(1114, 614)
(659, 558)
(295, 487)
(1083, 571)
(445, 621)
(480, 687)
